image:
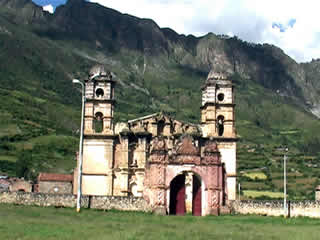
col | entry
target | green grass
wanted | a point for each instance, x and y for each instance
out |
(22, 222)
(255, 175)
(254, 194)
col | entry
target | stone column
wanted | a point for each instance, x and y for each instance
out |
(124, 181)
(125, 152)
(189, 189)
(214, 201)
(110, 183)
(167, 129)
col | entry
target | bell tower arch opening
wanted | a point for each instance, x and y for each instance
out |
(99, 93)
(98, 122)
(220, 125)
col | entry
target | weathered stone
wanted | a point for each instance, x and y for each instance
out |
(69, 200)
(160, 211)
(275, 208)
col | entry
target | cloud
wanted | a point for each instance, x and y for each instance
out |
(49, 8)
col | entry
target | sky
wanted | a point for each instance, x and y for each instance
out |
(292, 25)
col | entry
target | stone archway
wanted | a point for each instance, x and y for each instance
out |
(177, 205)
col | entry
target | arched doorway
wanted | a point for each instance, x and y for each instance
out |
(196, 196)
(177, 196)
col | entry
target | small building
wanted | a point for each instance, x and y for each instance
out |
(20, 185)
(55, 183)
(4, 184)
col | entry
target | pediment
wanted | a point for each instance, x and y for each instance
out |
(186, 147)
(151, 123)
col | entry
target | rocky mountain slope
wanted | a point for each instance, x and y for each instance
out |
(157, 69)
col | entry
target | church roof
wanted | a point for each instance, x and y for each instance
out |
(179, 127)
(99, 71)
(55, 177)
(215, 77)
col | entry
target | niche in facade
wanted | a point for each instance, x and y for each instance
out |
(98, 122)
(220, 125)
(160, 129)
(132, 147)
(99, 93)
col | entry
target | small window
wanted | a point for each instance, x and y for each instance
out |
(99, 92)
(98, 122)
(220, 96)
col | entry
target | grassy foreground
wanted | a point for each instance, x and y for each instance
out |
(22, 222)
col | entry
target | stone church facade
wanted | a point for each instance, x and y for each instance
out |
(177, 167)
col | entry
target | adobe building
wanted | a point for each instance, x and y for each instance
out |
(54, 183)
(177, 167)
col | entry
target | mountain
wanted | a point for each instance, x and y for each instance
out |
(156, 69)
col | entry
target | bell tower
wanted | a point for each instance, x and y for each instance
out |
(99, 107)
(98, 137)
(218, 123)
(217, 110)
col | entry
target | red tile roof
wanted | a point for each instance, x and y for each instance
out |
(55, 177)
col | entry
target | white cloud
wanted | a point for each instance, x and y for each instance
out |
(250, 20)
(49, 8)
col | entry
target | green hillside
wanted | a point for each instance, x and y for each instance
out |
(156, 69)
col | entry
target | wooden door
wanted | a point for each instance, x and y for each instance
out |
(178, 195)
(196, 196)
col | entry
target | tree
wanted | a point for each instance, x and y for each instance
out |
(24, 165)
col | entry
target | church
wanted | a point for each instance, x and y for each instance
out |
(177, 167)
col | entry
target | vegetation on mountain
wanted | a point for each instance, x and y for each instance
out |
(156, 69)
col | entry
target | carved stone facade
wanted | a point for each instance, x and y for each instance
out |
(177, 167)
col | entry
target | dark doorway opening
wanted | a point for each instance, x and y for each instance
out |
(177, 196)
(196, 196)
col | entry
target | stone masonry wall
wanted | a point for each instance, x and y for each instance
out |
(55, 187)
(69, 200)
(275, 208)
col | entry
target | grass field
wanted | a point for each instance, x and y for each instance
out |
(255, 175)
(254, 194)
(22, 222)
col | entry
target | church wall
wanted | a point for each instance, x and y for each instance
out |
(98, 156)
(120, 186)
(136, 180)
(117, 155)
(227, 112)
(228, 157)
(232, 187)
(95, 185)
